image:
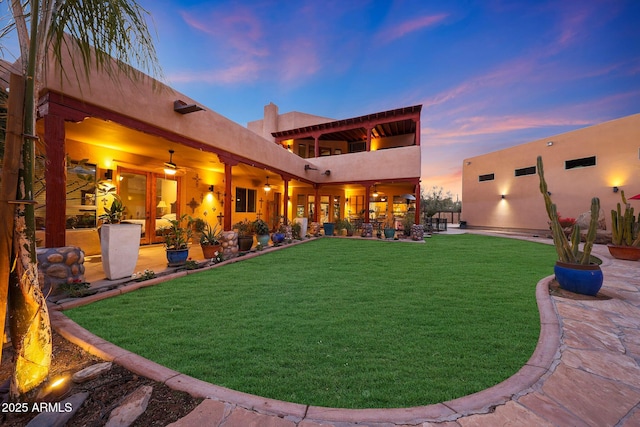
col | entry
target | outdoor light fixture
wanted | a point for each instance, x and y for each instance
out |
(170, 168)
(184, 108)
(375, 192)
(211, 188)
(615, 189)
(108, 174)
(549, 144)
(503, 197)
(267, 187)
(327, 172)
(309, 168)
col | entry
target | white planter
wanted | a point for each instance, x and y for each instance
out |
(303, 225)
(120, 244)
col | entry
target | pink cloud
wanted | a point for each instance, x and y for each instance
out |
(247, 71)
(407, 27)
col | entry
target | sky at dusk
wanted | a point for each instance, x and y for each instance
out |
(489, 73)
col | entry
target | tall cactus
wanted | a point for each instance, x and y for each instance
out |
(625, 231)
(568, 252)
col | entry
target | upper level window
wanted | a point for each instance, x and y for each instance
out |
(357, 146)
(245, 200)
(531, 170)
(580, 163)
(486, 177)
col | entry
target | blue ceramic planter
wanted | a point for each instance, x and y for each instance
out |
(176, 258)
(581, 279)
(329, 227)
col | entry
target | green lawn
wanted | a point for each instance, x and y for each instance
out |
(344, 322)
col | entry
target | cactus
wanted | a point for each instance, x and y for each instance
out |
(625, 231)
(568, 252)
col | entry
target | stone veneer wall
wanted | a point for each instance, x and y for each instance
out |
(417, 232)
(314, 229)
(229, 244)
(59, 265)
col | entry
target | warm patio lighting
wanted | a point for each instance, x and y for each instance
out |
(170, 168)
(267, 187)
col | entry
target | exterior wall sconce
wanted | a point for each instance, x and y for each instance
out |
(615, 189)
(503, 196)
(108, 174)
(211, 188)
(327, 172)
(309, 168)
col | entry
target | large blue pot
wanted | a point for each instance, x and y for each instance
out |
(329, 227)
(177, 257)
(578, 278)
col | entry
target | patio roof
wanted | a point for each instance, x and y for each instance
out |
(401, 121)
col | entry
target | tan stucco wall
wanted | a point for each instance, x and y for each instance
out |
(139, 100)
(274, 122)
(616, 145)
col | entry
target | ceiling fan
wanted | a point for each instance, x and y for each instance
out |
(170, 168)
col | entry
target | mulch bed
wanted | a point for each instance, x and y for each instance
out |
(106, 392)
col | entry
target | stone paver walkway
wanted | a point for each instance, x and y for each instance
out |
(585, 372)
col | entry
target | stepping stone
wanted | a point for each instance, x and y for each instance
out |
(61, 412)
(132, 407)
(91, 372)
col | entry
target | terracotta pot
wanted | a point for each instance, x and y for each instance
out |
(629, 253)
(209, 251)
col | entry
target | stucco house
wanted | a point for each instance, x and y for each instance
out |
(500, 190)
(166, 155)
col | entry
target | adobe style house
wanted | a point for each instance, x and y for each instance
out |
(166, 155)
(500, 190)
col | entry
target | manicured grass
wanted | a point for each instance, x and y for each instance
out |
(344, 323)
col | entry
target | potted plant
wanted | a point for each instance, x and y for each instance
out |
(625, 232)
(261, 229)
(279, 233)
(574, 270)
(389, 230)
(176, 240)
(119, 243)
(344, 224)
(328, 228)
(245, 235)
(210, 241)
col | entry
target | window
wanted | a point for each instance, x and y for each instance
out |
(531, 170)
(358, 146)
(245, 200)
(487, 177)
(580, 163)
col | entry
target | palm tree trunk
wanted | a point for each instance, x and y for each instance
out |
(29, 318)
(10, 171)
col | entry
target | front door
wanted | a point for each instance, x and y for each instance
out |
(151, 200)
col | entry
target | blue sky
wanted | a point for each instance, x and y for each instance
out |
(489, 73)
